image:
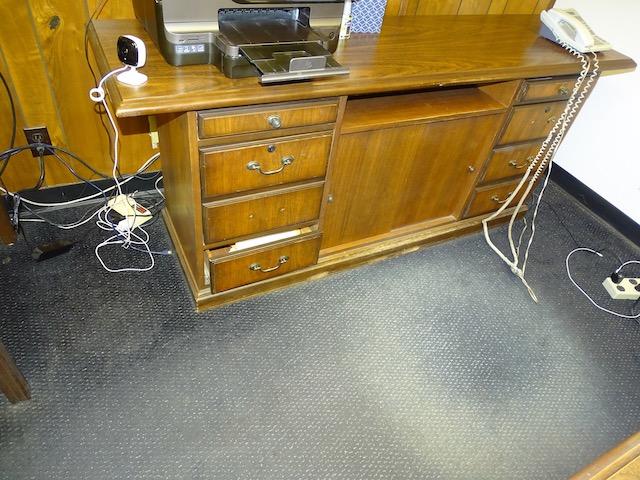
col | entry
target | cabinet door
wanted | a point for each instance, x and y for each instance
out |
(395, 177)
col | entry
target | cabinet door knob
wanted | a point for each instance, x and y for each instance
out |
(515, 165)
(471, 169)
(563, 90)
(285, 161)
(256, 267)
(496, 199)
(275, 121)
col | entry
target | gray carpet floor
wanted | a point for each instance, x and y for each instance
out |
(432, 365)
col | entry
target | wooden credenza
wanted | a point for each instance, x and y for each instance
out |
(405, 151)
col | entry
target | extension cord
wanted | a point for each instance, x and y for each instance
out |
(131, 210)
(627, 289)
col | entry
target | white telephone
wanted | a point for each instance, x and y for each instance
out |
(568, 26)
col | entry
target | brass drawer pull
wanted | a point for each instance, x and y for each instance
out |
(274, 121)
(552, 120)
(515, 165)
(288, 160)
(496, 199)
(563, 90)
(255, 267)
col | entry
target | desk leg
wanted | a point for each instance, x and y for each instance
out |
(12, 383)
(7, 233)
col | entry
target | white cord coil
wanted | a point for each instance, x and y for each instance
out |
(589, 250)
(543, 159)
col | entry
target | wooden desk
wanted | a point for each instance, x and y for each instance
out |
(426, 136)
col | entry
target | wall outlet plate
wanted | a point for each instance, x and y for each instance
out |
(38, 135)
(625, 290)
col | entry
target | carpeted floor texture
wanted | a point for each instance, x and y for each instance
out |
(432, 365)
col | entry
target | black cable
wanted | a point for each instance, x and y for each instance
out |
(100, 112)
(40, 183)
(13, 111)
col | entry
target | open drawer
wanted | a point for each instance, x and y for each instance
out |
(230, 269)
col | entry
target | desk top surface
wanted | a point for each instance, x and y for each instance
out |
(410, 53)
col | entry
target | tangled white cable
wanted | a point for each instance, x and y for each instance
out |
(127, 234)
(543, 159)
(589, 250)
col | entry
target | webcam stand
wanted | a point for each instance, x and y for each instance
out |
(132, 77)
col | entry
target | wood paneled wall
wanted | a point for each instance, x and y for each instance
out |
(466, 7)
(42, 58)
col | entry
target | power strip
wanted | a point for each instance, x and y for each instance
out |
(627, 289)
(134, 213)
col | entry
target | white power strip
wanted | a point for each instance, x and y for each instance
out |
(627, 289)
(134, 213)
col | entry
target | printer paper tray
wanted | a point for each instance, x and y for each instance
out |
(285, 62)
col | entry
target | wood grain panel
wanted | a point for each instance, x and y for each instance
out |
(438, 7)
(7, 233)
(465, 7)
(507, 162)
(225, 170)
(620, 463)
(520, 7)
(233, 121)
(548, 89)
(474, 7)
(530, 122)
(235, 271)
(436, 51)
(178, 134)
(395, 110)
(417, 173)
(489, 199)
(43, 49)
(258, 214)
(497, 7)
(12, 383)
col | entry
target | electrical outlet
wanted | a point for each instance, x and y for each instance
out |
(38, 135)
(627, 289)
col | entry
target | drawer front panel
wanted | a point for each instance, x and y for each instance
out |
(263, 264)
(231, 121)
(530, 122)
(246, 168)
(490, 199)
(261, 214)
(507, 162)
(548, 89)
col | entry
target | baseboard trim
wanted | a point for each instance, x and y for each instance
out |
(597, 204)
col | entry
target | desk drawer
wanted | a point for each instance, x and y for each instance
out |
(242, 168)
(261, 264)
(531, 122)
(554, 89)
(511, 161)
(265, 212)
(489, 199)
(261, 118)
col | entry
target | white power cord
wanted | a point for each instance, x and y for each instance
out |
(128, 234)
(589, 250)
(543, 159)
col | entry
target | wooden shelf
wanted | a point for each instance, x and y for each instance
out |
(390, 111)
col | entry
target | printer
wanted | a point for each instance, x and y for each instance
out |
(276, 40)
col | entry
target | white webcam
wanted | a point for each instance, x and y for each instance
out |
(132, 52)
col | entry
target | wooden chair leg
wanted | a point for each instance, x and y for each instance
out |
(12, 383)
